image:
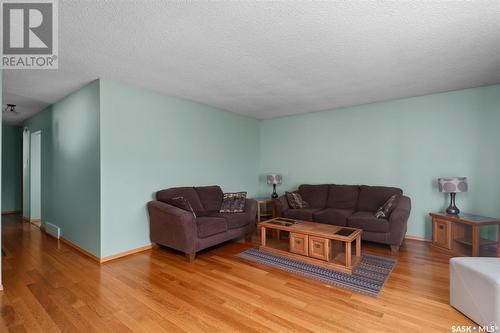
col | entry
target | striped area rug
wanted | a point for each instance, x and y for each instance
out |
(368, 277)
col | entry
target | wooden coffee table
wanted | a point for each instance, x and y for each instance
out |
(319, 244)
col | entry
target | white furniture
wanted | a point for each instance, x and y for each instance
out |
(475, 288)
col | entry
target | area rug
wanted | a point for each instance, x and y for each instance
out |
(368, 277)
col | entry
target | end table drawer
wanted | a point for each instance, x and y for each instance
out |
(319, 248)
(441, 233)
(299, 244)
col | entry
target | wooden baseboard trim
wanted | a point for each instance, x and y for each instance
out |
(80, 249)
(417, 238)
(11, 212)
(108, 258)
(127, 253)
(36, 222)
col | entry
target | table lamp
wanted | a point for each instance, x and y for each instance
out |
(453, 185)
(274, 179)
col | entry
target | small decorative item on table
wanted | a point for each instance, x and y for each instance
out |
(274, 179)
(453, 185)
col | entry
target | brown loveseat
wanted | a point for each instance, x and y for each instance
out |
(352, 206)
(179, 229)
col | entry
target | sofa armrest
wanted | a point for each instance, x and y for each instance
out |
(281, 205)
(251, 208)
(171, 226)
(398, 220)
(251, 212)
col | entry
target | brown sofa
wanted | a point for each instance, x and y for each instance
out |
(179, 229)
(352, 206)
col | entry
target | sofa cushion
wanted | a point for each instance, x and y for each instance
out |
(368, 222)
(332, 216)
(342, 196)
(295, 200)
(188, 193)
(372, 197)
(233, 202)
(182, 203)
(234, 220)
(210, 197)
(314, 195)
(209, 226)
(305, 214)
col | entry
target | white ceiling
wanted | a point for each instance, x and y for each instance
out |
(268, 59)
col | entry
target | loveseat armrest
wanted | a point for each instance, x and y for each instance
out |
(398, 221)
(171, 226)
(251, 212)
(251, 208)
(281, 205)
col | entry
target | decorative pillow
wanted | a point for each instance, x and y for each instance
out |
(295, 201)
(182, 203)
(386, 209)
(233, 202)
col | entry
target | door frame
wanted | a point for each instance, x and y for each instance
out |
(36, 220)
(25, 172)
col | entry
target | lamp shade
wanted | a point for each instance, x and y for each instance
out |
(453, 184)
(274, 179)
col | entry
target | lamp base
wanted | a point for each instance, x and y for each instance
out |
(452, 208)
(274, 195)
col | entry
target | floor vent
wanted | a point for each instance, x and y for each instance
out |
(52, 230)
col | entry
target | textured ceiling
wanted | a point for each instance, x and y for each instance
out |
(267, 59)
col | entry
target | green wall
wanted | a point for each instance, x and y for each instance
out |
(70, 166)
(407, 143)
(150, 142)
(108, 147)
(12, 148)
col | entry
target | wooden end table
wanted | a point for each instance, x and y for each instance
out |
(268, 213)
(315, 243)
(460, 233)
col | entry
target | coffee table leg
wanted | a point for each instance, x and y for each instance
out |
(263, 236)
(348, 254)
(358, 246)
(475, 241)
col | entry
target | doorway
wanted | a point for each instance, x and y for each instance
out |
(35, 201)
(26, 175)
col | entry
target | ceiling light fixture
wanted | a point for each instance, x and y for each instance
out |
(10, 108)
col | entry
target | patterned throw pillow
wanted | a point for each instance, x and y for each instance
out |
(233, 202)
(386, 209)
(295, 201)
(182, 203)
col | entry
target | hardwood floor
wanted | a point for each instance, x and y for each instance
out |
(49, 287)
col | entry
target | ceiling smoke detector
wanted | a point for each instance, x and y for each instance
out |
(10, 108)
